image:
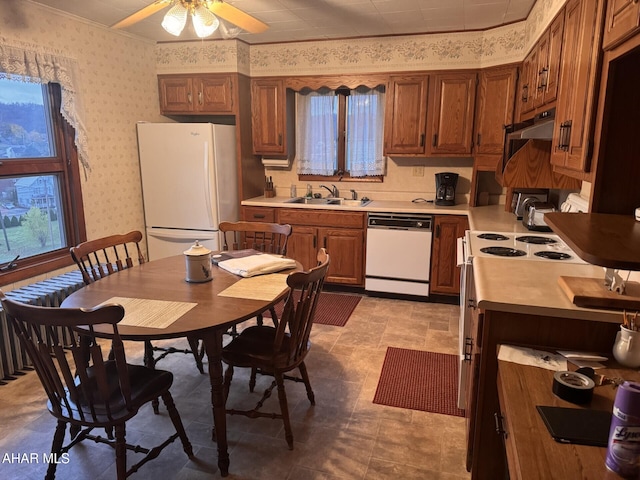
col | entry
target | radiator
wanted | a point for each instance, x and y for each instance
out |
(47, 293)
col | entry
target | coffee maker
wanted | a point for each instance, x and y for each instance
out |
(446, 188)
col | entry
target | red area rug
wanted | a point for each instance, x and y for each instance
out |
(419, 380)
(333, 308)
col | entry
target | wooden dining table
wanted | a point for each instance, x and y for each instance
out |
(205, 310)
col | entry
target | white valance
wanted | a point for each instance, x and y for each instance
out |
(32, 63)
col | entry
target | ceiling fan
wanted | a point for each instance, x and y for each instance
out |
(203, 14)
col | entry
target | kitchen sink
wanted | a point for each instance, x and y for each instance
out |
(329, 201)
(315, 201)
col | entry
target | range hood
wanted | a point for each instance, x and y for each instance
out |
(541, 127)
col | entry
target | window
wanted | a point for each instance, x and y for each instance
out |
(41, 214)
(340, 133)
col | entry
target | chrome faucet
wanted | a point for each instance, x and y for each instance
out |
(354, 194)
(333, 192)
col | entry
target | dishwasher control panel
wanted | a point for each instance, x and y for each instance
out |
(400, 221)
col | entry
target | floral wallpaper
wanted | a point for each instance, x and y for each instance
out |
(118, 86)
(497, 46)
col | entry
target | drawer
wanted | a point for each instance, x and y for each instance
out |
(321, 218)
(259, 214)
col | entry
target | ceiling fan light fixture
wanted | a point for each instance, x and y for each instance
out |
(204, 22)
(175, 19)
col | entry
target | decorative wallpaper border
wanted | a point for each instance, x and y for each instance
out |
(497, 46)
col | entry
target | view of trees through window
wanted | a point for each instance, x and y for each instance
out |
(31, 217)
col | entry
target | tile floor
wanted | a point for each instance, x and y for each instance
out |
(344, 436)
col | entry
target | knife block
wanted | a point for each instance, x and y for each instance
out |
(269, 193)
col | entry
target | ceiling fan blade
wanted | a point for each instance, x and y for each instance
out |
(142, 14)
(237, 17)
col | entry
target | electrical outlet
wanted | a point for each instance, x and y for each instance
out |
(418, 171)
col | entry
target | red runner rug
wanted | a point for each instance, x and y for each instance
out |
(418, 380)
(333, 308)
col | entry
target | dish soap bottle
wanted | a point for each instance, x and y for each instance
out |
(309, 191)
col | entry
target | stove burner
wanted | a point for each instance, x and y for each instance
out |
(492, 236)
(551, 255)
(503, 251)
(536, 240)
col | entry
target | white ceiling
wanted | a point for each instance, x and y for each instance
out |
(299, 20)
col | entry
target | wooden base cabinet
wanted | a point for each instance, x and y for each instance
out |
(445, 275)
(341, 233)
(487, 451)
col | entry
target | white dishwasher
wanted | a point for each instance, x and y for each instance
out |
(398, 258)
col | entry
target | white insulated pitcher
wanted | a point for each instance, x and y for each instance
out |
(198, 260)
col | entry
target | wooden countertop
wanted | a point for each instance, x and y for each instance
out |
(601, 239)
(531, 451)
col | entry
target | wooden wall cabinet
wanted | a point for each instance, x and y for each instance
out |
(540, 72)
(445, 274)
(406, 115)
(528, 77)
(210, 94)
(577, 91)
(549, 57)
(450, 116)
(272, 117)
(622, 22)
(496, 98)
(495, 105)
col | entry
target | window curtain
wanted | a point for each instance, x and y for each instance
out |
(32, 64)
(316, 133)
(365, 130)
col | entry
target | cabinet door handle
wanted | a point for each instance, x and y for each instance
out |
(437, 231)
(545, 77)
(435, 139)
(525, 93)
(324, 242)
(565, 135)
(499, 425)
(479, 137)
(422, 140)
(259, 215)
(189, 97)
(200, 98)
(468, 348)
(314, 241)
(280, 139)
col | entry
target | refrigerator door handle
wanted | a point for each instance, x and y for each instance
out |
(207, 184)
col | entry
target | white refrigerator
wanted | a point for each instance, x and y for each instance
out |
(189, 184)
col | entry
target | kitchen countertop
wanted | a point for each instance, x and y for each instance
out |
(501, 285)
(527, 287)
(375, 206)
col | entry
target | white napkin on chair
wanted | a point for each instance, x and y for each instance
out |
(257, 264)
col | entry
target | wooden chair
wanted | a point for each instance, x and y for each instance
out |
(104, 256)
(278, 350)
(261, 236)
(101, 393)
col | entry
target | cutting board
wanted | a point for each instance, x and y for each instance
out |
(591, 293)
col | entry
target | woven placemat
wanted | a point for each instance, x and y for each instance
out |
(142, 312)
